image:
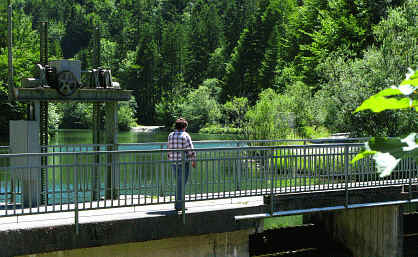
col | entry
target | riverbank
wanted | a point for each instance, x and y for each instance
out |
(147, 129)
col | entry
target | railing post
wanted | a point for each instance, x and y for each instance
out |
(76, 195)
(162, 173)
(346, 149)
(272, 186)
(409, 164)
(238, 186)
(183, 186)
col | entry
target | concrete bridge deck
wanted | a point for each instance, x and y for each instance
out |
(57, 232)
(52, 232)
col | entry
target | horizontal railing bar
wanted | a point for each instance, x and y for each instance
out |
(210, 141)
(323, 209)
(249, 148)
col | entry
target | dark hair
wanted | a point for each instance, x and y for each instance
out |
(181, 123)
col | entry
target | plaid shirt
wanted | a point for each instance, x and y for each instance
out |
(180, 140)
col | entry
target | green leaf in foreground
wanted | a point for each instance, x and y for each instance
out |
(378, 103)
(362, 155)
(394, 146)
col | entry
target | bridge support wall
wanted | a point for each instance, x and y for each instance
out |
(374, 231)
(229, 244)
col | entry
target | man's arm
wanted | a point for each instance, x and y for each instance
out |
(190, 154)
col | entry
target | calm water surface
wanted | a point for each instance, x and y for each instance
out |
(84, 136)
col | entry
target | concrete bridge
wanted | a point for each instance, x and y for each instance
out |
(121, 203)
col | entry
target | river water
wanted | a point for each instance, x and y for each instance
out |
(85, 136)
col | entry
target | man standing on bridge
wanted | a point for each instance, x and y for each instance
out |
(180, 139)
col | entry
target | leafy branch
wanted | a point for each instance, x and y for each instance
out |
(387, 152)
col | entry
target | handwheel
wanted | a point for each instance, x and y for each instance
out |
(67, 83)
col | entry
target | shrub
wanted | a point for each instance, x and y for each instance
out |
(266, 120)
(233, 112)
(200, 108)
(126, 115)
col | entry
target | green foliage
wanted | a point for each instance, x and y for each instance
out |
(75, 115)
(26, 55)
(387, 152)
(242, 78)
(170, 106)
(218, 129)
(200, 108)
(234, 111)
(313, 132)
(280, 222)
(54, 116)
(339, 52)
(268, 118)
(350, 82)
(126, 115)
(203, 37)
(402, 97)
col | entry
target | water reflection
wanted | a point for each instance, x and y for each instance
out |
(84, 136)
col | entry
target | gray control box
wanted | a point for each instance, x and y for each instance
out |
(73, 66)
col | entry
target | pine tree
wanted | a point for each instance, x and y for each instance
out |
(267, 70)
(204, 36)
(146, 71)
(242, 72)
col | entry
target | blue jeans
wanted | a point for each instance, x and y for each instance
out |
(177, 169)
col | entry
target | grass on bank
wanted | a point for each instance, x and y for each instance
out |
(280, 222)
(307, 132)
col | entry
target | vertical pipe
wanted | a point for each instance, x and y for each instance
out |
(43, 111)
(10, 49)
(96, 49)
(97, 117)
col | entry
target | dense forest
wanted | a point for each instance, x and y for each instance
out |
(258, 66)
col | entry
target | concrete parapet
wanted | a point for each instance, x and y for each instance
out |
(228, 244)
(205, 227)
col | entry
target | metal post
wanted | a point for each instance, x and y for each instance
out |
(239, 169)
(96, 142)
(43, 109)
(96, 49)
(183, 186)
(409, 164)
(272, 186)
(10, 49)
(346, 174)
(97, 118)
(75, 185)
(162, 173)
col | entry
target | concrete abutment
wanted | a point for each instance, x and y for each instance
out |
(228, 244)
(371, 231)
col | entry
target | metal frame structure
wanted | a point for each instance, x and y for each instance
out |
(38, 97)
(10, 49)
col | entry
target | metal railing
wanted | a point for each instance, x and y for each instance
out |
(4, 149)
(106, 179)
